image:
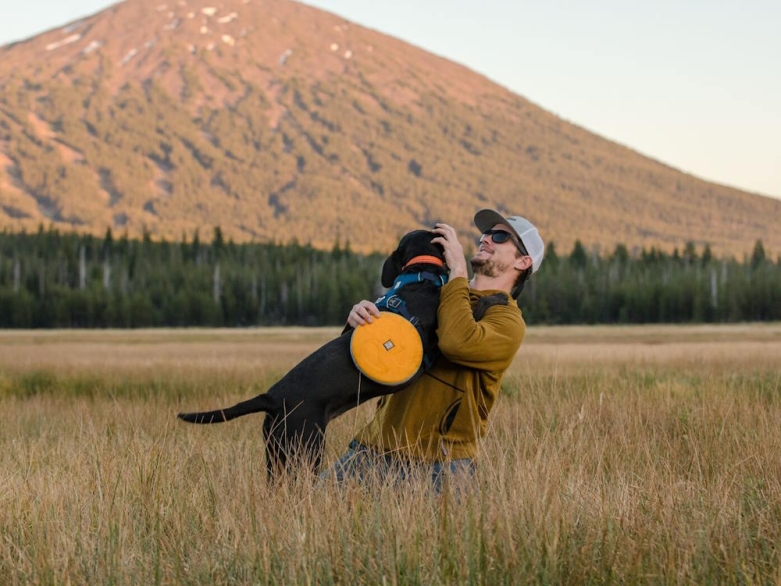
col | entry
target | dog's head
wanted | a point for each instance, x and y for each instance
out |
(412, 244)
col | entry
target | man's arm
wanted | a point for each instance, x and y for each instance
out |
(488, 344)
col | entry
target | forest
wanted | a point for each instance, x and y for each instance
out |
(51, 279)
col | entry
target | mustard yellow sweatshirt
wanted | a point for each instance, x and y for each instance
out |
(443, 414)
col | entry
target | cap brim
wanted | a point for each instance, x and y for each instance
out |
(487, 219)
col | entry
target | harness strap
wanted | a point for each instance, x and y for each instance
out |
(408, 278)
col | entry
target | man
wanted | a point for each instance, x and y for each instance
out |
(432, 428)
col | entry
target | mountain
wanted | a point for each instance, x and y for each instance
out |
(277, 121)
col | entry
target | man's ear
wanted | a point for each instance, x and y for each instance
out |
(391, 269)
(523, 262)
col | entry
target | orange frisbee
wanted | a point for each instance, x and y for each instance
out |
(388, 350)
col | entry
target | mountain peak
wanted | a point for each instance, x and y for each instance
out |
(278, 121)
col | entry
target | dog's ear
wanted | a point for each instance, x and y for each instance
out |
(395, 262)
(391, 269)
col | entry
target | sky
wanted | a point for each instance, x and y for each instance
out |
(694, 84)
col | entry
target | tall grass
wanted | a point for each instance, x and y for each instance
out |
(614, 456)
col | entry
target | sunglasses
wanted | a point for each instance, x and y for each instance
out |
(502, 236)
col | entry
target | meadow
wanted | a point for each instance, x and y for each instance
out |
(648, 455)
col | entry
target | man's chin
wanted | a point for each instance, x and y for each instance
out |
(482, 266)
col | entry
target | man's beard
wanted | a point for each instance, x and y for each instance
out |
(487, 267)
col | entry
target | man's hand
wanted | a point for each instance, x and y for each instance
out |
(454, 252)
(362, 313)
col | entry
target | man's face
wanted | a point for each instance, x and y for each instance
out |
(494, 259)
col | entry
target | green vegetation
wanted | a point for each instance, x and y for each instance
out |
(53, 280)
(654, 287)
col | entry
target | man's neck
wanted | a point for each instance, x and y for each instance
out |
(485, 283)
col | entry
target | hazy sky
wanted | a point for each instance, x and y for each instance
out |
(695, 84)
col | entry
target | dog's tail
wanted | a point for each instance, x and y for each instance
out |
(255, 405)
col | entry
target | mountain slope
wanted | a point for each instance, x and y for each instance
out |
(278, 121)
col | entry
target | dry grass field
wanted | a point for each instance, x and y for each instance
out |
(617, 455)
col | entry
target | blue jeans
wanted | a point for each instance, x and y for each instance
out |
(366, 465)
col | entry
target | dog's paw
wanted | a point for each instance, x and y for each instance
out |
(484, 303)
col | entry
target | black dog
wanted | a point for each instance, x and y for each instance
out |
(327, 383)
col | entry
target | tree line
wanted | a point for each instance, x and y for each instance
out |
(67, 280)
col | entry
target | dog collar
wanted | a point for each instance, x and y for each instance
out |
(424, 259)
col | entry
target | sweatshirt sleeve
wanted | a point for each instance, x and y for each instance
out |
(488, 344)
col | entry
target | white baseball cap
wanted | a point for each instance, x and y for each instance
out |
(524, 230)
